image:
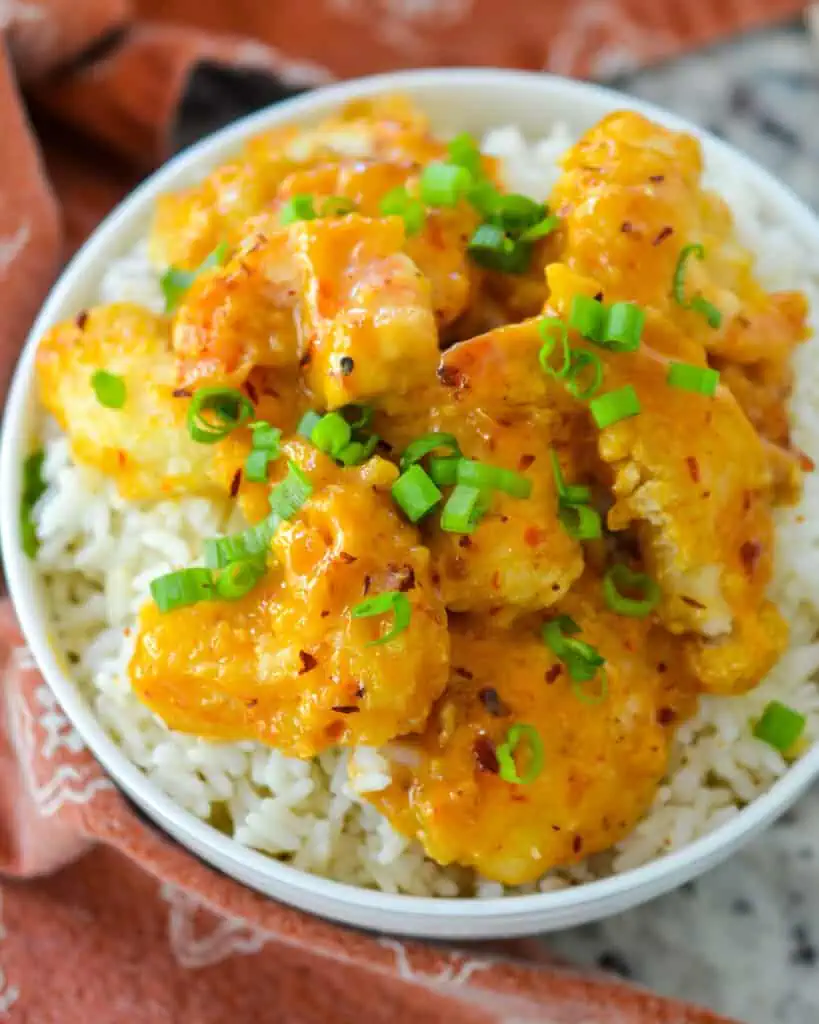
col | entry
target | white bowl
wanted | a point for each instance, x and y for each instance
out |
(473, 100)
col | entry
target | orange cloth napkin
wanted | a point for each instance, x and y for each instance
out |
(102, 917)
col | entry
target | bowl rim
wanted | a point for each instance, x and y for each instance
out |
(650, 878)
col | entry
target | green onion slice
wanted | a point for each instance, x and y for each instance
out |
(443, 469)
(252, 543)
(623, 327)
(582, 522)
(587, 316)
(256, 465)
(514, 213)
(541, 229)
(34, 487)
(229, 409)
(239, 578)
(571, 494)
(554, 332)
(780, 726)
(464, 509)
(109, 389)
(491, 248)
(508, 769)
(182, 588)
(494, 478)
(266, 448)
(701, 379)
(307, 424)
(581, 361)
(484, 197)
(614, 406)
(357, 452)
(298, 207)
(415, 493)
(619, 578)
(417, 449)
(287, 497)
(698, 304)
(582, 661)
(358, 416)
(336, 206)
(444, 184)
(463, 151)
(332, 434)
(175, 282)
(395, 603)
(399, 203)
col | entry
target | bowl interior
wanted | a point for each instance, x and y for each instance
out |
(473, 100)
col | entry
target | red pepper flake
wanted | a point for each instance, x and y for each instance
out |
(450, 376)
(496, 580)
(806, 463)
(182, 393)
(749, 554)
(251, 392)
(306, 359)
(666, 232)
(533, 535)
(122, 457)
(346, 558)
(577, 844)
(335, 730)
(662, 667)
(346, 709)
(367, 583)
(483, 750)
(551, 674)
(360, 690)
(657, 178)
(464, 541)
(324, 613)
(665, 716)
(308, 662)
(346, 365)
(746, 501)
(235, 483)
(525, 461)
(464, 673)
(251, 702)
(400, 577)
(504, 519)
(82, 319)
(598, 297)
(743, 320)
(436, 578)
(627, 227)
(490, 699)
(692, 601)
(693, 468)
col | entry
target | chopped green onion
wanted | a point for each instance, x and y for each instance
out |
(581, 360)
(582, 661)
(307, 424)
(399, 203)
(266, 447)
(239, 578)
(332, 434)
(443, 184)
(484, 197)
(541, 229)
(252, 543)
(415, 493)
(619, 578)
(463, 151)
(479, 474)
(230, 409)
(287, 497)
(182, 588)
(508, 770)
(109, 389)
(396, 603)
(514, 212)
(34, 487)
(417, 449)
(582, 522)
(464, 509)
(175, 282)
(358, 416)
(582, 694)
(571, 494)
(701, 379)
(614, 406)
(443, 469)
(780, 726)
(587, 316)
(298, 207)
(256, 465)
(357, 452)
(491, 248)
(553, 331)
(698, 304)
(623, 327)
(336, 206)
(265, 436)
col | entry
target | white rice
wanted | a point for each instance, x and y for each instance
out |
(99, 554)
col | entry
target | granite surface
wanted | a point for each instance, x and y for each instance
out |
(742, 939)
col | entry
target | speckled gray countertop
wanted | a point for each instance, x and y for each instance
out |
(743, 939)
